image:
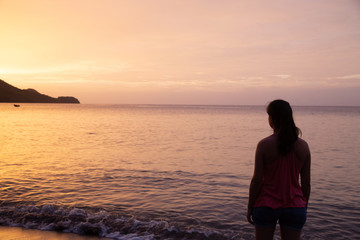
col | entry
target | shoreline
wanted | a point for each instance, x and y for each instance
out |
(17, 233)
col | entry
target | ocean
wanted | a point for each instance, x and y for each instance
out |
(165, 171)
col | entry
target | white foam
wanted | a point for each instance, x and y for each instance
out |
(77, 212)
(98, 223)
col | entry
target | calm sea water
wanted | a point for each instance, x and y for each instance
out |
(165, 172)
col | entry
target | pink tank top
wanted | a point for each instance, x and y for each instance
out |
(280, 184)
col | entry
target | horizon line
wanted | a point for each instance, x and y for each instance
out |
(187, 104)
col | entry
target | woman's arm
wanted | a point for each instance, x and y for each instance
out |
(256, 181)
(306, 176)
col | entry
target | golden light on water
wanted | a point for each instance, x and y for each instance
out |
(170, 162)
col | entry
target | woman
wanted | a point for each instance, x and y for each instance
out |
(275, 192)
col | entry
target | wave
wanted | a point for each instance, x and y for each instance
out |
(101, 223)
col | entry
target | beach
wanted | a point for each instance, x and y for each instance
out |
(16, 233)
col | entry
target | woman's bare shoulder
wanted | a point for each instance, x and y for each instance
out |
(268, 141)
(301, 143)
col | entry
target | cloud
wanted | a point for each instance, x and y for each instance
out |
(353, 76)
(283, 76)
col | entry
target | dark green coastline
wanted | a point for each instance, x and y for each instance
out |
(11, 94)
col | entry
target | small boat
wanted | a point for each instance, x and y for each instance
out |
(16, 105)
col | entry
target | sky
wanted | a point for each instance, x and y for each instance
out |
(238, 52)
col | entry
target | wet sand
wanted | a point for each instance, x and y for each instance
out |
(15, 233)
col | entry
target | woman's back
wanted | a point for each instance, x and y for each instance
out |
(269, 149)
(280, 183)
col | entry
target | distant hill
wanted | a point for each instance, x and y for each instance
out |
(9, 93)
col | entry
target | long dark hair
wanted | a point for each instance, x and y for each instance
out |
(283, 124)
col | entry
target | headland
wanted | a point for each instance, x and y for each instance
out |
(11, 94)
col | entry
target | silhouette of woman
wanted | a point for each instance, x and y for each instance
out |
(275, 193)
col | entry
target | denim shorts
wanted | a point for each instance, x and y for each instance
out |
(293, 218)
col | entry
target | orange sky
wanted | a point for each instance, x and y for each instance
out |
(184, 52)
